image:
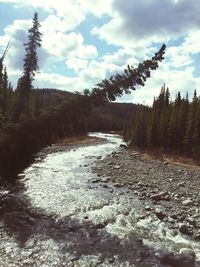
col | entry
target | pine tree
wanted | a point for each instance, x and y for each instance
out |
(34, 41)
(152, 134)
(3, 86)
(196, 134)
(5, 92)
(190, 124)
(167, 98)
(108, 90)
(23, 93)
(181, 122)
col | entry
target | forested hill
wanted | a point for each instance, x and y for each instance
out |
(110, 116)
(46, 98)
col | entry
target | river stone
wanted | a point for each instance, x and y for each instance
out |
(158, 196)
(187, 251)
(197, 236)
(117, 185)
(105, 179)
(174, 216)
(97, 180)
(179, 260)
(111, 260)
(124, 146)
(181, 184)
(116, 167)
(192, 221)
(187, 202)
(160, 214)
(100, 225)
(184, 229)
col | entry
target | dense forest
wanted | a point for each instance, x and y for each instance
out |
(110, 117)
(172, 126)
(33, 118)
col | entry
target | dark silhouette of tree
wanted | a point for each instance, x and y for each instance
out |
(190, 123)
(108, 90)
(5, 92)
(4, 88)
(23, 93)
(34, 41)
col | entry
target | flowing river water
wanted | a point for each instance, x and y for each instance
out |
(66, 216)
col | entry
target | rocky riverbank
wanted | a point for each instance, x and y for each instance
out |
(169, 192)
(104, 218)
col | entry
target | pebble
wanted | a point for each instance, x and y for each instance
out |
(187, 202)
(184, 229)
(158, 196)
(160, 214)
(116, 167)
(181, 184)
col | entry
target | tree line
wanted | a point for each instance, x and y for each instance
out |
(168, 125)
(32, 118)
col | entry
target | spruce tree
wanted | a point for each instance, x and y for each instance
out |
(196, 134)
(34, 41)
(108, 90)
(5, 92)
(30, 68)
(190, 124)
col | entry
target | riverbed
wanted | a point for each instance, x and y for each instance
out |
(64, 213)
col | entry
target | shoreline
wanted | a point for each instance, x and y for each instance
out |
(169, 192)
(151, 181)
(172, 158)
(9, 180)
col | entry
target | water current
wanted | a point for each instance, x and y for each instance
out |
(71, 218)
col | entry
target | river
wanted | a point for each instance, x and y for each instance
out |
(65, 215)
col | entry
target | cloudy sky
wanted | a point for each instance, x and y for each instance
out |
(85, 41)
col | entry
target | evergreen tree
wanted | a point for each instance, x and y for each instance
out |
(108, 90)
(5, 92)
(3, 87)
(34, 41)
(190, 124)
(196, 135)
(181, 122)
(1, 90)
(23, 93)
(167, 98)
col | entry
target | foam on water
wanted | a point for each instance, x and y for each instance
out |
(60, 185)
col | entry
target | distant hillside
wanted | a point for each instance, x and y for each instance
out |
(111, 116)
(46, 98)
